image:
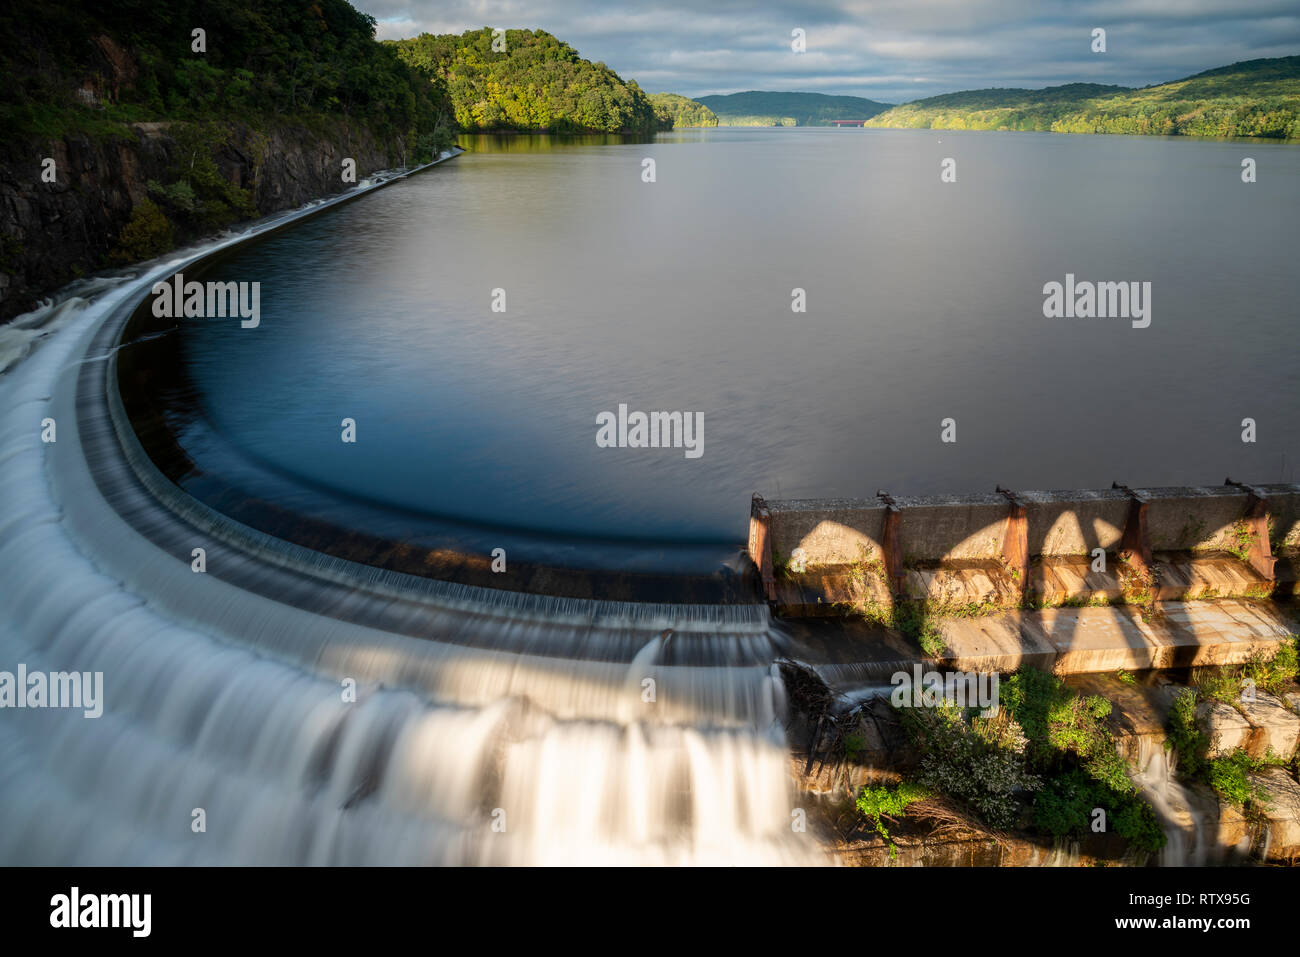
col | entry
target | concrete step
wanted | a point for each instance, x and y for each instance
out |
(1216, 575)
(1075, 640)
(1095, 639)
(1053, 581)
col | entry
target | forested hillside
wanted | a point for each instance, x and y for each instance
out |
(1253, 98)
(126, 133)
(536, 83)
(679, 112)
(758, 108)
(79, 66)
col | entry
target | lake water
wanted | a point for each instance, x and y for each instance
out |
(924, 302)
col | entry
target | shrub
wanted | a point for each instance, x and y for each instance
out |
(1273, 673)
(148, 233)
(886, 802)
(1230, 778)
(972, 761)
(1070, 743)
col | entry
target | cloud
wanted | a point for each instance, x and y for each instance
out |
(890, 50)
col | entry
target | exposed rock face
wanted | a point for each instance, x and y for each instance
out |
(54, 232)
(1282, 813)
(1263, 726)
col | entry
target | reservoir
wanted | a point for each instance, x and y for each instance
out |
(474, 321)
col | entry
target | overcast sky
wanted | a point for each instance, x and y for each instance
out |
(889, 50)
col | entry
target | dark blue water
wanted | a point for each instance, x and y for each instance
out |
(925, 302)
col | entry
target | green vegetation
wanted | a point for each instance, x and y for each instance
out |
(978, 761)
(1252, 98)
(1228, 775)
(97, 69)
(678, 112)
(146, 234)
(877, 804)
(536, 83)
(1271, 672)
(1047, 756)
(1243, 540)
(1072, 746)
(757, 108)
(915, 621)
(197, 197)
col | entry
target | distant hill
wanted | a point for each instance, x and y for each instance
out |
(537, 82)
(679, 112)
(757, 108)
(1252, 98)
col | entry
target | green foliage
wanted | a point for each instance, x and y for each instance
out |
(737, 119)
(1252, 98)
(758, 108)
(1184, 734)
(1228, 774)
(10, 251)
(854, 744)
(263, 57)
(1243, 540)
(914, 621)
(978, 761)
(1072, 746)
(678, 112)
(199, 198)
(876, 804)
(146, 234)
(917, 623)
(1230, 777)
(536, 83)
(1272, 673)
(1045, 743)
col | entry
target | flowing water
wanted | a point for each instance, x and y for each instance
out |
(490, 728)
(471, 745)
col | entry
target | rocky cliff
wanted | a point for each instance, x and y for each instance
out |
(53, 232)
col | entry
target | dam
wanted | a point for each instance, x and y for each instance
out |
(368, 689)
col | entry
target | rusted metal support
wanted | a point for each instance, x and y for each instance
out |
(1260, 555)
(1015, 540)
(1135, 544)
(760, 544)
(891, 542)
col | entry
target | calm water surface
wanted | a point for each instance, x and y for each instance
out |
(924, 302)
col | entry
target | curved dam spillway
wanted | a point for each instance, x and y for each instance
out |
(318, 711)
(375, 571)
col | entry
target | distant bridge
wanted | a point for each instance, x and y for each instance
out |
(849, 122)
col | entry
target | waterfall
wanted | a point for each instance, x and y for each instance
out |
(1189, 816)
(511, 731)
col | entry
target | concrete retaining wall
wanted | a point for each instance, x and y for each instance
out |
(943, 528)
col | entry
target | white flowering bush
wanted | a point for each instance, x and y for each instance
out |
(980, 762)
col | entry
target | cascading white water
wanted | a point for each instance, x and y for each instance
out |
(468, 752)
(1188, 816)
